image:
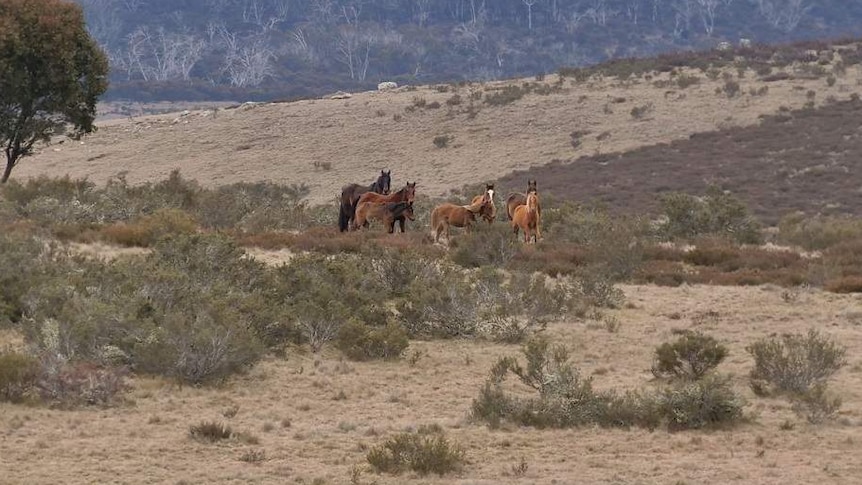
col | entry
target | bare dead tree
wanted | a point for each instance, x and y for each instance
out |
(529, 4)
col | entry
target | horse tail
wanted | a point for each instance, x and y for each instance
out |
(343, 218)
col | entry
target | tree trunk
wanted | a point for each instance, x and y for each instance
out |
(8, 171)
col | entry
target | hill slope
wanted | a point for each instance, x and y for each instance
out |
(485, 137)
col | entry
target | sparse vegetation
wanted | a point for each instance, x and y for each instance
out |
(442, 141)
(210, 432)
(422, 452)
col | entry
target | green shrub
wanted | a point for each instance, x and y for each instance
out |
(564, 399)
(691, 356)
(18, 375)
(716, 213)
(818, 233)
(423, 454)
(708, 402)
(509, 94)
(22, 260)
(360, 342)
(794, 362)
(485, 246)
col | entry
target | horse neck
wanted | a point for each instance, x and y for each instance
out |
(475, 208)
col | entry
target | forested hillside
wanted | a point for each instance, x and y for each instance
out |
(271, 49)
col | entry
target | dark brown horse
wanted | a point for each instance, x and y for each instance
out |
(406, 194)
(386, 213)
(350, 197)
(491, 214)
(516, 199)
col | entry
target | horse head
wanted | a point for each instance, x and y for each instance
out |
(410, 192)
(489, 192)
(532, 202)
(531, 186)
(384, 182)
(408, 211)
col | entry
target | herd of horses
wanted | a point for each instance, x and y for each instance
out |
(360, 204)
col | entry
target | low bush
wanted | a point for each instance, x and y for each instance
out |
(716, 213)
(210, 432)
(18, 376)
(691, 356)
(422, 453)
(565, 399)
(818, 233)
(816, 405)
(71, 384)
(794, 363)
(708, 402)
(361, 342)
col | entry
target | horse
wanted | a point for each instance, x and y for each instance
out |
(516, 199)
(526, 217)
(491, 214)
(445, 215)
(406, 194)
(387, 213)
(350, 197)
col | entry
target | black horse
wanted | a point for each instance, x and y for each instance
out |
(350, 196)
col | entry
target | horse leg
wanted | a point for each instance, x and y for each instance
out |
(401, 221)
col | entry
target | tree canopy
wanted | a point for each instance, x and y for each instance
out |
(51, 75)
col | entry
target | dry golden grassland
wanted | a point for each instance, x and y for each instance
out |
(315, 416)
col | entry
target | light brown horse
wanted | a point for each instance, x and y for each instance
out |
(386, 213)
(491, 214)
(446, 215)
(526, 218)
(516, 199)
(406, 194)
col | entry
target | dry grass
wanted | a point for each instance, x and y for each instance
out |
(384, 399)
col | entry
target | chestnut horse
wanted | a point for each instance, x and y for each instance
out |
(387, 213)
(516, 199)
(491, 214)
(526, 217)
(350, 197)
(407, 194)
(445, 215)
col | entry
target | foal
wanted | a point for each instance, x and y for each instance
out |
(387, 213)
(445, 215)
(526, 217)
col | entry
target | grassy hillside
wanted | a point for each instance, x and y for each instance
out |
(448, 136)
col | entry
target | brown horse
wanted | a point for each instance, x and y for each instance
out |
(406, 194)
(350, 197)
(386, 213)
(445, 215)
(526, 217)
(517, 199)
(491, 214)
